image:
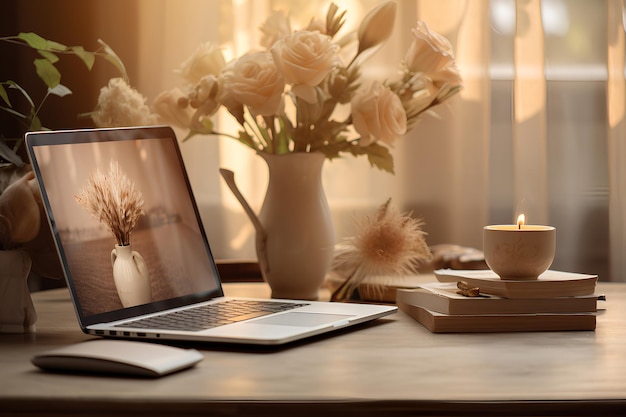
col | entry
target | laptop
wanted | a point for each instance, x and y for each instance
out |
(184, 291)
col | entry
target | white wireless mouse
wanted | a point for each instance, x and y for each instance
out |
(118, 357)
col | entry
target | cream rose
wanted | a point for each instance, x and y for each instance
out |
(276, 27)
(254, 81)
(429, 52)
(305, 58)
(172, 109)
(378, 115)
(204, 98)
(206, 60)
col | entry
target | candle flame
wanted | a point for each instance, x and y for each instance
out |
(521, 220)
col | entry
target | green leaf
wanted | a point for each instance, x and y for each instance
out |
(112, 57)
(9, 155)
(47, 72)
(60, 90)
(13, 112)
(50, 56)
(4, 95)
(207, 123)
(87, 57)
(282, 137)
(86, 115)
(35, 123)
(246, 139)
(13, 84)
(379, 157)
(56, 46)
(33, 40)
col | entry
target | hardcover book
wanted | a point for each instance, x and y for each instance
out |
(442, 297)
(477, 323)
(550, 284)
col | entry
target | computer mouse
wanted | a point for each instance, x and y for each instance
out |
(121, 357)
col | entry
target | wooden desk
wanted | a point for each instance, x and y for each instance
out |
(392, 367)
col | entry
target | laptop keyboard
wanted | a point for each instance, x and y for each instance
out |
(212, 315)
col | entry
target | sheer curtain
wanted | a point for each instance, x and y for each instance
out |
(538, 128)
(616, 104)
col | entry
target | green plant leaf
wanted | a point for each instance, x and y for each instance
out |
(13, 112)
(87, 57)
(246, 139)
(9, 155)
(112, 57)
(56, 46)
(50, 56)
(13, 84)
(35, 124)
(47, 72)
(60, 90)
(4, 95)
(207, 123)
(282, 136)
(380, 157)
(33, 40)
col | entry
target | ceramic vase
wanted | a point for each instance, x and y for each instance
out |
(130, 275)
(296, 220)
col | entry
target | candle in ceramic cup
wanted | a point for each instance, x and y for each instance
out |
(519, 251)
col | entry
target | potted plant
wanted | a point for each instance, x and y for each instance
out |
(24, 244)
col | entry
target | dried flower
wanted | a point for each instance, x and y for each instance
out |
(388, 244)
(114, 200)
(121, 105)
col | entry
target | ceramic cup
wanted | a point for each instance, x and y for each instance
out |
(519, 253)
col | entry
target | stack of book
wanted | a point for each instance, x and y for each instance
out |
(555, 301)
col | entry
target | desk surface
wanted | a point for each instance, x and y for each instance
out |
(391, 366)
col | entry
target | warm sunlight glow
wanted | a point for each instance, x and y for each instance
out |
(615, 91)
(530, 85)
(472, 55)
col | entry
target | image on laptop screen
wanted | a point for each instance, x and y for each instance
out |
(166, 235)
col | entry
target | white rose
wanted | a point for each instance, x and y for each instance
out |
(121, 105)
(429, 52)
(206, 89)
(204, 97)
(305, 59)
(378, 115)
(254, 81)
(206, 60)
(172, 109)
(276, 27)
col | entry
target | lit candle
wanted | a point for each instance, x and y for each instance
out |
(519, 251)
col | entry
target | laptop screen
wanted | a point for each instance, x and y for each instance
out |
(124, 219)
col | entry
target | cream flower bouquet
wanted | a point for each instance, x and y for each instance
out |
(301, 94)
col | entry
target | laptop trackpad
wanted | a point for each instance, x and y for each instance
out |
(302, 319)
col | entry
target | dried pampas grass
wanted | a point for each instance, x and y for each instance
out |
(388, 244)
(114, 200)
